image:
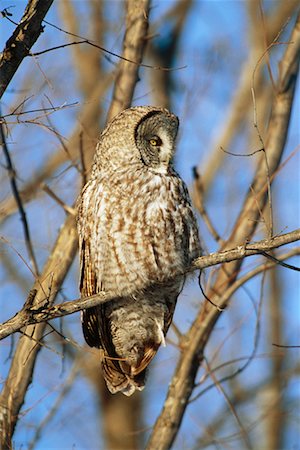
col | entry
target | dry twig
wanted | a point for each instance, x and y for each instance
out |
(13, 182)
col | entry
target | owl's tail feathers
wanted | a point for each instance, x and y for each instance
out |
(121, 377)
(119, 381)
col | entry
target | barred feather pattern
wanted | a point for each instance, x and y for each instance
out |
(137, 236)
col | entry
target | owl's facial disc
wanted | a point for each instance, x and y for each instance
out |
(162, 145)
(156, 141)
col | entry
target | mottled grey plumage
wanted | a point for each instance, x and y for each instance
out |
(137, 235)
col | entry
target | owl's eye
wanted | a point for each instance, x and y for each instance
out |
(155, 141)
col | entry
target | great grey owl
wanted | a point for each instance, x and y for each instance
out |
(137, 236)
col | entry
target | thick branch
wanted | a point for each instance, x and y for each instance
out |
(133, 49)
(32, 315)
(22, 39)
(21, 370)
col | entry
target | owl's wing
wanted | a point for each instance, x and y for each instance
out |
(89, 317)
(88, 279)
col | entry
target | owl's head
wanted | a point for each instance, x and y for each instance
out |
(142, 135)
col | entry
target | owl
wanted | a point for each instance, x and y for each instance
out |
(137, 237)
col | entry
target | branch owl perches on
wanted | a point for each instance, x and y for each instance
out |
(137, 234)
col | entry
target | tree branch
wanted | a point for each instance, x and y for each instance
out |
(133, 50)
(248, 249)
(24, 36)
(36, 314)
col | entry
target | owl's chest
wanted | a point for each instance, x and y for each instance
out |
(145, 201)
(131, 208)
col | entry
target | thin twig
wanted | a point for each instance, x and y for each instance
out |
(82, 161)
(198, 199)
(262, 14)
(68, 384)
(93, 44)
(14, 188)
(231, 407)
(255, 124)
(63, 145)
(51, 109)
(205, 296)
(225, 378)
(285, 346)
(241, 154)
(51, 194)
(281, 263)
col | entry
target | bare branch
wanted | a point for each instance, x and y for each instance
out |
(232, 409)
(133, 48)
(55, 197)
(245, 250)
(24, 36)
(99, 47)
(43, 312)
(44, 110)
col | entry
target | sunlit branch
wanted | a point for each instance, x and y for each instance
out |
(30, 315)
(245, 250)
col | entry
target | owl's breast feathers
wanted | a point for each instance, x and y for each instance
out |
(139, 230)
(137, 235)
